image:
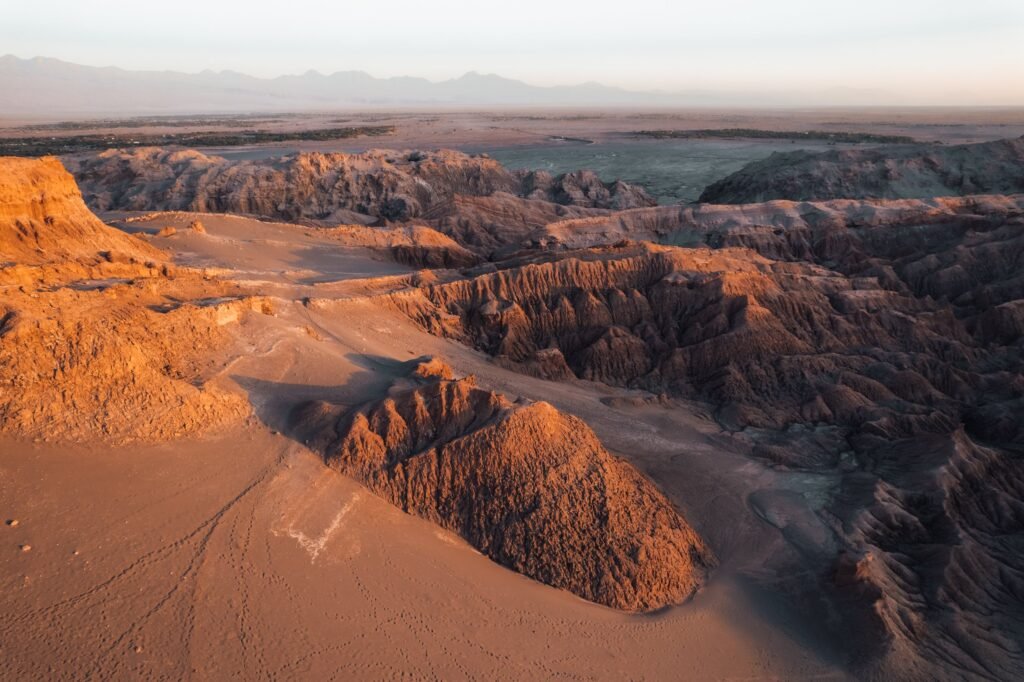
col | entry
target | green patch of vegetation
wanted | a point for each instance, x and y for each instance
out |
(165, 121)
(72, 144)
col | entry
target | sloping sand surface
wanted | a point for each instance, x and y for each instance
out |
(240, 555)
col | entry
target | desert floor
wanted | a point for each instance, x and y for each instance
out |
(240, 555)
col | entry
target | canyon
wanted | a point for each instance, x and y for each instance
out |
(784, 419)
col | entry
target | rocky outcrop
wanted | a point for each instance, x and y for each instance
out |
(530, 487)
(772, 343)
(44, 220)
(965, 251)
(900, 171)
(328, 188)
(90, 349)
(876, 341)
(413, 245)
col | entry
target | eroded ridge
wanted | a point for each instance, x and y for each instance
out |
(889, 171)
(375, 185)
(883, 370)
(101, 336)
(530, 487)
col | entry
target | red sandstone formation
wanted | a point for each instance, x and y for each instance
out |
(327, 188)
(880, 339)
(530, 487)
(88, 348)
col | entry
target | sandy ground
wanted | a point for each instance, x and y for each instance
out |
(241, 556)
(481, 129)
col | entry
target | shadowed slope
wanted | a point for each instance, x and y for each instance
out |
(891, 172)
(531, 487)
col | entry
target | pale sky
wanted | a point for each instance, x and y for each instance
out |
(926, 51)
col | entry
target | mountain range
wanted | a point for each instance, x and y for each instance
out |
(46, 86)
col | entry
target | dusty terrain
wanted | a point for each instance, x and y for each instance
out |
(790, 427)
(906, 171)
(226, 541)
(506, 477)
(498, 128)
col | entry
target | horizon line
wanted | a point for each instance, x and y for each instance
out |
(813, 93)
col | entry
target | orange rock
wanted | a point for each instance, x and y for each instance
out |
(530, 487)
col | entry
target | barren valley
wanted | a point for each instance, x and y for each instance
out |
(448, 404)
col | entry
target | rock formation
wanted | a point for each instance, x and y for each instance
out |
(44, 220)
(530, 487)
(89, 347)
(874, 345)
(878, 341)
(885, 172)
(413, 245)
(962, 250)
(731, 327)
(328, 188)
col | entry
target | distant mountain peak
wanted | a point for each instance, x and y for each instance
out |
(49, 86)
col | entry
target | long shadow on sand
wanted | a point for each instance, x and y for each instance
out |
(787, 597)
(276, 402)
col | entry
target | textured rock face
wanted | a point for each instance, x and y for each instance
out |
(86, 349)
(904, 171)
(937, 548)
(965, 251)
(377, 185)
(530, 487)
(772, 343)
(412, 245)
(43, 219)
(879, 342)
(789, 227)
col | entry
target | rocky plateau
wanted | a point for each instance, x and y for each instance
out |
(908, 171)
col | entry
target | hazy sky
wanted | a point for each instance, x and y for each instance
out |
(926, 51)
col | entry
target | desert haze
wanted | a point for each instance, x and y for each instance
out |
(52, 87)
(341, 377)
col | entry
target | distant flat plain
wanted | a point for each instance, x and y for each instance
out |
(672, 170)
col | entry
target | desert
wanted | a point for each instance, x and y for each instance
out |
(655, 344)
